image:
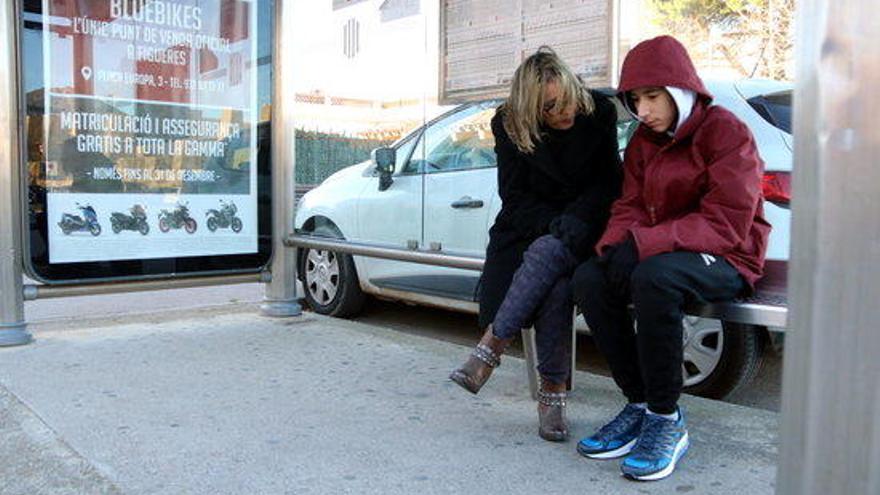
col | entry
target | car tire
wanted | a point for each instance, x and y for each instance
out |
(330, 283)
(720, 357)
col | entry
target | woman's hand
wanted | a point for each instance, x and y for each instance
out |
(571, 230)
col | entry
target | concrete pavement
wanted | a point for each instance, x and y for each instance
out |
(222, 400)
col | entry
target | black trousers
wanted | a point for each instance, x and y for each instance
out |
(647, 364)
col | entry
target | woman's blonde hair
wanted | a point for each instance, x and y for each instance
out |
(523, 111)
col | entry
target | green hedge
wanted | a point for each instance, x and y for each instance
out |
(320, 154)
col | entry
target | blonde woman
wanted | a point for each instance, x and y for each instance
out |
(558, 173)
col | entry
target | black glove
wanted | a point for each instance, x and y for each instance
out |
(571, 230)
(621, 263)
(605, 258)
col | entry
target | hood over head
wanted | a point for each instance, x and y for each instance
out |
(661, 61)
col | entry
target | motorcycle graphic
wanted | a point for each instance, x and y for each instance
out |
(224, 217)
(177, 218)
(136, 221)
(75, 223)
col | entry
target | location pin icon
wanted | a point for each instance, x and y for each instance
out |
(86, 72)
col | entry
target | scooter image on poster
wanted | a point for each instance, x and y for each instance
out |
(136, 221)
(224, 217)
(177, 218)
(75, 223)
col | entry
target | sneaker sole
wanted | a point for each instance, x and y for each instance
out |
(679, 452)
(610, 454)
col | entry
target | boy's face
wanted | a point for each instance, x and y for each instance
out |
(654, 107)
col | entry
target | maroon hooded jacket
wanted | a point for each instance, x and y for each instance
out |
(699, 190)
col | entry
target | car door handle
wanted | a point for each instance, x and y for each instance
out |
(467, 202)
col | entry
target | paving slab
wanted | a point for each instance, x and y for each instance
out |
(34, 460)
(232, 402)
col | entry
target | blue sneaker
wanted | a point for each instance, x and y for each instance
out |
(661, 444)
(616, 438)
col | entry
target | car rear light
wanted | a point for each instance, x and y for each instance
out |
(777, 188)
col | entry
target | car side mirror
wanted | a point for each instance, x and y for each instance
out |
(384, 158)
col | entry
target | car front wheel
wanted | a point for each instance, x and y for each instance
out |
(331, 283)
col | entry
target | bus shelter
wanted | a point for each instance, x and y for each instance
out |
(151, 145)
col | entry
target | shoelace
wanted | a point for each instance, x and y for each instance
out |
(620, 423)
(658, 436)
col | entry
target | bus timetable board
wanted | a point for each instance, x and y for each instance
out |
(483, 42)
(143, 131)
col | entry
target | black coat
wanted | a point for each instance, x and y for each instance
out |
(576, 172)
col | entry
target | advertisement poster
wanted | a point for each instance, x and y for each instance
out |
(150, 118)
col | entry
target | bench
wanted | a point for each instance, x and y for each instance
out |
(766, 308)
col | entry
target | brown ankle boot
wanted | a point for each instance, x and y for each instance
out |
(483, 359)
(552, 424)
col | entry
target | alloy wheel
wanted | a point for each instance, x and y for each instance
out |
(703, 347)
(322, 275)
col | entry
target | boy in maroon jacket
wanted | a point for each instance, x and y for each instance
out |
(689, 227)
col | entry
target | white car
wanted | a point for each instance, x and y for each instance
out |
(442, 196)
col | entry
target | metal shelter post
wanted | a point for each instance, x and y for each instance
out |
(13, 329)
(830, 431)
(280, 295)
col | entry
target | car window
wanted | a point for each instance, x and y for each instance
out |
(775, 108)
(462, 140)
(401, 155)
(626, 124)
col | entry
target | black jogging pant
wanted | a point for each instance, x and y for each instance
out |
(647, 364)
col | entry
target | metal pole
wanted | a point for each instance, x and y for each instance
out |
(280, 296)
(34, 292)
(13, 329)
(830, 431)
(388, 253)
(614, 67)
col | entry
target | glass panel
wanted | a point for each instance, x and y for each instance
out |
(725, 40)
(364, 79)
(378, 73)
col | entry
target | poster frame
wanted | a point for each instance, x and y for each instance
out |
(35, 226)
